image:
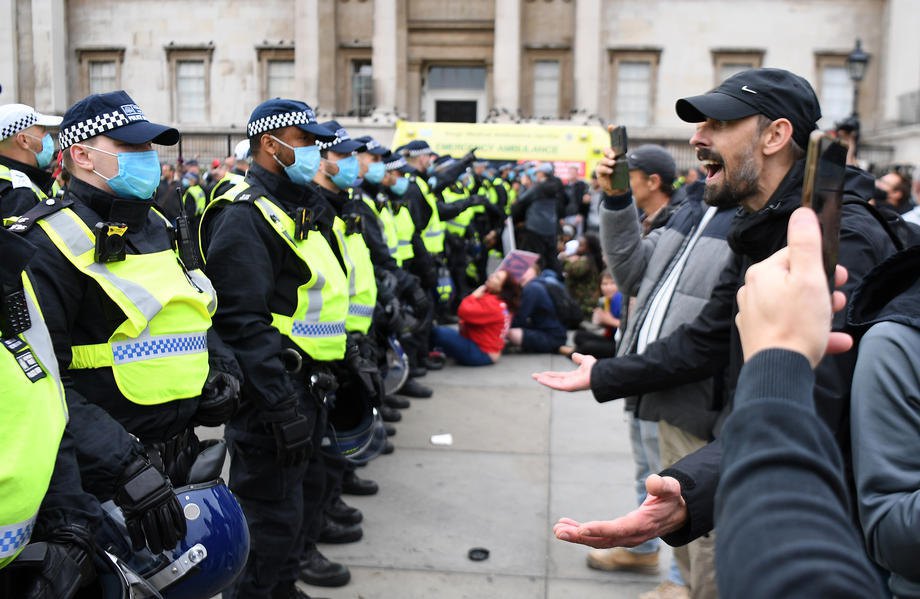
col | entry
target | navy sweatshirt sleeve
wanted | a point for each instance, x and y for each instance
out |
(781, 504)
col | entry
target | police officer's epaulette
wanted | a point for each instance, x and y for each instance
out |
(40, 211)
(354, 223)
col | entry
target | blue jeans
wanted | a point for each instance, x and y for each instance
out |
(458, 347)
(644, 438)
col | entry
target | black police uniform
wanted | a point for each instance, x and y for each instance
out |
(16, 201)
(256, 274)
(79, 312)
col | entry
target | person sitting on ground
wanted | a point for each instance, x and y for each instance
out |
(607, 315)
(582, 273)
(536, 327)
(485, 316)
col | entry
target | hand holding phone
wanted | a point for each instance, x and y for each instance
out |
(620, 177)
(822, 191)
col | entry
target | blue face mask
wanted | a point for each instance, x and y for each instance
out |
(400, 187)
(138, 174)
(375, 172)
(306, 163)
(348, 172)
(44, 157)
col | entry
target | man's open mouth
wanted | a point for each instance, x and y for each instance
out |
(713, 168)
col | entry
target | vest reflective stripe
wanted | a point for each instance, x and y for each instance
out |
(32, 419)
(234, 180)
(433, 233)
(362, 292)
(8, 174)
(459, 223)
(318, 323)
(159, 354)
(197, 195)
(387, 225)
(405, 230)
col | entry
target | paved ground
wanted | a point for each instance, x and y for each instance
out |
(522, 456)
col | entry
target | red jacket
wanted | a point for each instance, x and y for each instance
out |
(485, 321)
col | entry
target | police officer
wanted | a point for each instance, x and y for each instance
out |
(130, 322)
(273, 257)
(26, 150)
(38, 465)
(241, 157)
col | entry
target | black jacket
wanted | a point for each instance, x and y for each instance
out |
(255, 274)
(541, 207)
(710, 343)
(78, 312)
(17, 200)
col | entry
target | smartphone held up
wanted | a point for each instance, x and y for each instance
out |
(825, 170)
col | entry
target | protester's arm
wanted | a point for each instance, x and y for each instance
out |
(885, 418)
(782, 491)
(627, 254)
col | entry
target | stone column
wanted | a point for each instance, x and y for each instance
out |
(588, 53)
(9, 46)
(49, 38)
(898, 57)
(385, 57)
(507, 56)
(315, 52)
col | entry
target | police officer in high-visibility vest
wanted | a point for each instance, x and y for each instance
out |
(129, 317)
(26, 150)
(235, 175)
(273, 257)
(38, 465)
(193, 199)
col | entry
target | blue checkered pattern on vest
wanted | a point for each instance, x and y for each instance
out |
(156, 347)
(360, 310)
(318, 329)
(14, 537)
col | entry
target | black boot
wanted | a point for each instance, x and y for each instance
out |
(344, 513)
(315, 569)
(352, 484)
(394, 401)
(389, 414)
(338, 533)
(413, 388)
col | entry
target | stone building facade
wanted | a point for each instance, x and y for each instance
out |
(203, 65)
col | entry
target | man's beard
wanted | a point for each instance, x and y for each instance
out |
(732, 192)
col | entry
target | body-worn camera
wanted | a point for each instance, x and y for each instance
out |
(304, 222)
(110, 242)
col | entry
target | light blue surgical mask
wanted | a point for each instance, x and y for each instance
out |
(400, 187)
(306, 162)
(44, 157)
(375, 172)
(138, 173)
(348, 172)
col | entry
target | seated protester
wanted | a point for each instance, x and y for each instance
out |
(607, 315)
(485, 316)
(536, 327)
(582, 273)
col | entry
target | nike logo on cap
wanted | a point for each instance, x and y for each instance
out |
(745, 88)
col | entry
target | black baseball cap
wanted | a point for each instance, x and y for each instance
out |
(653, 160)
(114, 115)
(774, 93)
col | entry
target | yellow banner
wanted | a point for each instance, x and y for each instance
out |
(510, 142)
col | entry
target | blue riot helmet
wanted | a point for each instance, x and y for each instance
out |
(206, 561)
(356, 430)
(397, 366)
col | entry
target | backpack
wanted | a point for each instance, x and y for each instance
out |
(567, 309)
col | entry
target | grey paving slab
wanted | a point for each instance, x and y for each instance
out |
(581, 426)
(370, 583)
(482, 418)
(434, 505)
(514, 369)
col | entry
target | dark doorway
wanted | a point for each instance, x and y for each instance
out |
(455, 111)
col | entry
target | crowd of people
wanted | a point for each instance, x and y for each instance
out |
(295, 293)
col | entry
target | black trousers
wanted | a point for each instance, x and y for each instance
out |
(274, 502)
(545, 245)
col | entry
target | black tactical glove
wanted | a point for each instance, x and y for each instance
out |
(366, 372)
(54, 569)
(420, 301)
(479, 200)
(293, 432)
(152, 511)
(219, 401)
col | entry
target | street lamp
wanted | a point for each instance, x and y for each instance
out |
(857, 61)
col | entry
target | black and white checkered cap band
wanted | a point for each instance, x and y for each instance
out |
(372, 144)
(92, 127)
(399, 162)
(279, 121)
(421, 152)
(18, 125)
(340, 136)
